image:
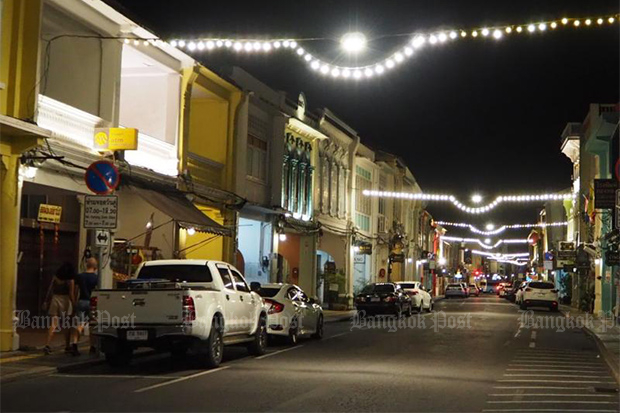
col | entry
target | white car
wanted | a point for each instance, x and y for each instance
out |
(420, 299)
(291, 313)
(540, 294)
(519, 293)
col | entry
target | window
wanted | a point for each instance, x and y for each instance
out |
(363, 204)
(285, 183)
(226, 278)
(268, 292)
(257, 158)
(325, 185)
(292, 293)
(333, 190)
(176, 273)
(342, 193)
(240, 282)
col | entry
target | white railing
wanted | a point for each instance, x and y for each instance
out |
(76, 127)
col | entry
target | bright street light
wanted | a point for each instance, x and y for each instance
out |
(353, 42)
(490, 227)
(476, 199)
(487, 241)
(442, 261)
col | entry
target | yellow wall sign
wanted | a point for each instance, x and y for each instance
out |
(49, 213)
(115, 139)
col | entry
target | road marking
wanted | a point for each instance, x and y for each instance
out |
(180, 379)
(565, 370)
(277, 352)
(112, 376)
(518, 333)
(534, 335)
(19, 358)
(551, 358)
(552, 375)
(552, 394)
(556, 381)
(557, 364)
(532, 344)
(337, 335)
(543, 387)
(548, 410)
(548, 402)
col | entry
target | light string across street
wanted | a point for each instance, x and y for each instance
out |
(470, 210)
(356, 42)
(501, 228)
(515, 258)
(486, 243)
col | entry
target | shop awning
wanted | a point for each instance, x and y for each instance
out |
(173, 203)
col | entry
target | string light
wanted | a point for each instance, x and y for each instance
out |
(465, 208)
(502, 228)
(356, 42)
(486, 243)
(515, 259)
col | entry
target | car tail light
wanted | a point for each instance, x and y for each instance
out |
(412, 293)
(528, 289)
(189, 309)
(274, 306)
(389, 299)
(93, 305)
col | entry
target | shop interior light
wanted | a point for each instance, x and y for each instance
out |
(282, 237)
(191, 231)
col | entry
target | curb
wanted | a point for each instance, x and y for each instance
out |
(31, 373)
(338, 319)
(607, 355)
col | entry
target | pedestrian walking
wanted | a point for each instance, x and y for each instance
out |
(85, 282)
(60, 302)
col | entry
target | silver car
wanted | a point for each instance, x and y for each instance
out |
(455, 290)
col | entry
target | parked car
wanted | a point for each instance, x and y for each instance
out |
(483, 285)
(540, 294)
(420, 298)
(384, 298)
(503, 292)
(519, 293)
(179, 306)
(455, 290)
(290, 312)
(474, 290)
(511, 293)
(466, 288)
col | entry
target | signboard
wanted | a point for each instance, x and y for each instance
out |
(612, 258)
(359, 259)
(618, 209)
(365, 249)
(49, 213)
(605, 193)
(431, 264)
(548, 265)
(397, 257)
(115, 139)
(101, 212)
(102, 177)
(566, 251)
(102, 238)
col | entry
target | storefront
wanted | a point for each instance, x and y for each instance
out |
(255, 246)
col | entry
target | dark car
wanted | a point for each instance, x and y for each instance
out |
(511, 293)
(383, 298)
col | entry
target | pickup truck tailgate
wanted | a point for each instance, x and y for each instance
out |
(142, 306)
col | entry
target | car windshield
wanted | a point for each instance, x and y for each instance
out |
(269, 291)
(378, 288)
(472, 285)
(541, 285)
(176, 273)
(407, 285)
(454, 287)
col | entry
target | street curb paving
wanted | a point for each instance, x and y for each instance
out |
(607, 355)
(27, 374)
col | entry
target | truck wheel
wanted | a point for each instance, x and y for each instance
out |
(214, 347)
(318, 334)
(120, 356)
(258, 346)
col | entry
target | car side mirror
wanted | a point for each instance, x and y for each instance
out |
(255, 286)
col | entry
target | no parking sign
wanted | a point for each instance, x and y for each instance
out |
(102, 177)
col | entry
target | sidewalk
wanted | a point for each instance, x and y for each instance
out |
(332, 316)
(605, 333)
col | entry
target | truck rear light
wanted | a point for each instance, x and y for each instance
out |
(274, 306)
(189, 309)
(93, 305)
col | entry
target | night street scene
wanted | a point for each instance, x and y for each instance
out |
(317, 206)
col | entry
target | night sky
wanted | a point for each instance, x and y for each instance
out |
(470, 116)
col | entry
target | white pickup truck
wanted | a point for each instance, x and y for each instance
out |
(179, 306)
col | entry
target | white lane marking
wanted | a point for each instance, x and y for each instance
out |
(556, 381)
(551, 394)
(112, 376)
(549, 402)
(518, 333)
(337, 335)
(564, 370)
(180, 379)
(549, 410)
(534, 335)
(556, 364)
(277, 352)
(545, 358)
(554, 375)
(542, 387)
(532, 344)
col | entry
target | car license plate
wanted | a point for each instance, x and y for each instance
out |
(375, 299)
(137, 335)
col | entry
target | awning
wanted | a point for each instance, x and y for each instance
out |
(174, 203)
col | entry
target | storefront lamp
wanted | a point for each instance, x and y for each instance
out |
(191, 231)
(356, 249)
(282, 237)
(442, 261)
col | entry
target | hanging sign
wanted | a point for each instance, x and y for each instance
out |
(605, 193)
(49, 213)
(115, 139)
(100, 212)
(102, 177)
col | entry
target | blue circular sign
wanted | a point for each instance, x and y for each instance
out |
(102, 177)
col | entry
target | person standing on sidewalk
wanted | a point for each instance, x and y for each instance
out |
(60, 304)
(86, 282)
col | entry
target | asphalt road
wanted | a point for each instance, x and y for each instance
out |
(476, 354)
